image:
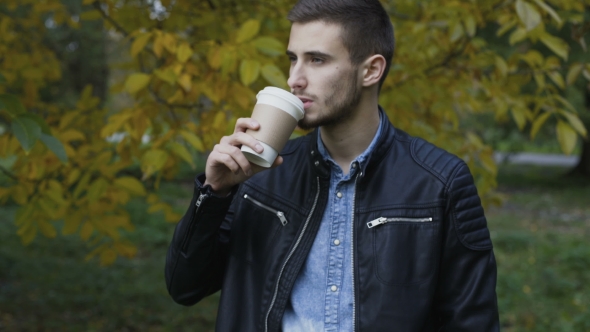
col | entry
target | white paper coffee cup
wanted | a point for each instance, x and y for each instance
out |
(278, 112)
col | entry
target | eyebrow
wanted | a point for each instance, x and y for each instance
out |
(311, 54)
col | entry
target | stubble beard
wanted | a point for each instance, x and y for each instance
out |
(339, 105)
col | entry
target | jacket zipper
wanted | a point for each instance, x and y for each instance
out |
(383, 220)
(190, 226)
(274, 297)
(279, 214)
(352, 254)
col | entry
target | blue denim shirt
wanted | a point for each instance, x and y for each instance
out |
(322, 297)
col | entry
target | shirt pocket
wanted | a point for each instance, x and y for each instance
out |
(260, 221)
(405, 247)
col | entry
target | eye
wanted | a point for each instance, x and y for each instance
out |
(292, 59)
(317, 60)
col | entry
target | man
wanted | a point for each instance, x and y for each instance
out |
(358, 226)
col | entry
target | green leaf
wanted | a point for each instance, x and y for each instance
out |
(249, 71)
(549, 10)
(26, 131)
(39, 120)
(269, 46)
(136, 82)
(518, 35)
(139, 43)
(153, 161)
(274, 76)
(528, 14)
(181, 151)
(55, 146)
(538, 123)
(130, 184)
(12, 105)
(248, 30)
(519, 115)
(2, 79)
(567, 137)
(557, 45)
(575, 122)
(193, 140)
(573, 73)
(556, 77)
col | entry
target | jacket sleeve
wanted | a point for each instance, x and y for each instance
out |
(466, 293)
(197, 255)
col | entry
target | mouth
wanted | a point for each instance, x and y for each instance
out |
(306, 102)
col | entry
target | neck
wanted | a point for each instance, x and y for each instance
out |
(347, 140)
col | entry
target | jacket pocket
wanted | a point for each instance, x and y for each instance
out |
(405, 249)
(255, 230)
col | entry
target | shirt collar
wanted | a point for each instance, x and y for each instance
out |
(361, 159)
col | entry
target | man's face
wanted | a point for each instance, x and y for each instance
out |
(321, 74)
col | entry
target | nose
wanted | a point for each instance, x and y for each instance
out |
(297, 78)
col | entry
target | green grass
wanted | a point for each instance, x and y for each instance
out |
(540, 239)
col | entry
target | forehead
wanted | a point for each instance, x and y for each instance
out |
(316, 36)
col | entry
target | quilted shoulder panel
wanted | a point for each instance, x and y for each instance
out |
(436, 160)
(466, 211)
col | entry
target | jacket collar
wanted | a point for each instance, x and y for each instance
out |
(383, 144)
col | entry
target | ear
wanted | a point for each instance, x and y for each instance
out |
(373, 69)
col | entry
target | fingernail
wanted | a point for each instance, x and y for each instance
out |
(253, 124)
(259, 148)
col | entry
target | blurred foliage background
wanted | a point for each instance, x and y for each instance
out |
(108, 109)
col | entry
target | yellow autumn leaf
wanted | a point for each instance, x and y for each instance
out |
(573, 73)
(71, 224)
(185, 82)
(153, 161)
(556, 77)
(181, 151)
(214, 57)
(125, 249)
(166, 75)
(575, 122)
(136, 82)
(97, 189)
(274, 76)
(249, 71)
(519, 116)
(528, 14)
(269, 46)
(107, 257)
(86, 231)
(248, 30)
(566, 136)
(131, 184)
(538, 123)
(47, 229)
(169, 42)
(139, 43)
(158, 44)
(557, 45)
(184, 52)
(549, 10)
(193, 140)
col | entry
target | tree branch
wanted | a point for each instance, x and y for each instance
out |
(105, 15)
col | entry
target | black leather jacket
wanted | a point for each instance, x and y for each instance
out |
(428, 267)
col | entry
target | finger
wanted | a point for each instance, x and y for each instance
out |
(238, 158)
(244, 124)
(219, 156)
(239, 139)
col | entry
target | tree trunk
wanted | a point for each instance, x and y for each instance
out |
(583, 167)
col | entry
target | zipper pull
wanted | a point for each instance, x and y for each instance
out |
(376, 222)
(281, 216)
(199, 201)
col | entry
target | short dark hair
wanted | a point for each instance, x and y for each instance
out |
(366, 27)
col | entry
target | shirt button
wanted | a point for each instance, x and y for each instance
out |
(339, 194)
(337, 242)
(334, 288)
(354, 165)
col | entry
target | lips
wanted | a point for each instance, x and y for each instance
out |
(306, 102)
